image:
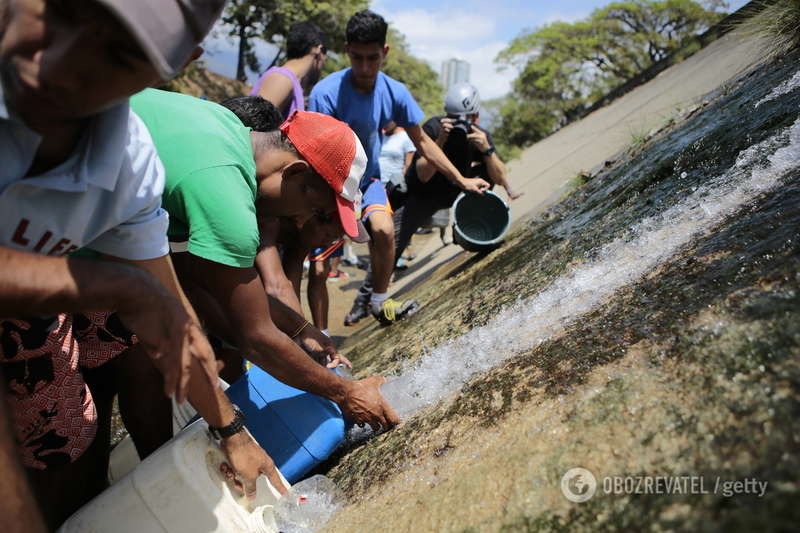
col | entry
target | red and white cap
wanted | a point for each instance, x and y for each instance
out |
(334, 151)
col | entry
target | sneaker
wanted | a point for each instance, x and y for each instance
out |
(357, 312)
(336, 276)
(401, 264)
(392, 311)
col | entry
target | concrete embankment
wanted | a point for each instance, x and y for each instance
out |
(642, 324)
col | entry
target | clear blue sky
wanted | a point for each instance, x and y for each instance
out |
(473, 30)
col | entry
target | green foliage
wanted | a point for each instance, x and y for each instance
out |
(510, 118)
(565, 67)
(270, 20)
(778, 22)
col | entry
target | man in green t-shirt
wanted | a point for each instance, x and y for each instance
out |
(220, 177)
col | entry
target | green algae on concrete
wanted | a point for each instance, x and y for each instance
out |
(693, 370)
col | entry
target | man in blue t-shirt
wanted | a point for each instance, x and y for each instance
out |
(367, 99)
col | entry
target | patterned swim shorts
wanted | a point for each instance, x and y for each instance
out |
(55, 419)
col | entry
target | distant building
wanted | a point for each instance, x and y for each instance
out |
(454, 71)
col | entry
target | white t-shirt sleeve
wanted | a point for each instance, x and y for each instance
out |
(143, 234)
(408, 144)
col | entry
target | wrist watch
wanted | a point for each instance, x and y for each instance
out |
(236, 425)
(490, 151)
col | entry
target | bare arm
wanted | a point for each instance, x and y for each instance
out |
(433, 155)
(17, 506)
(494, 165)
(242, 297)
(190, 350)
(284, 296)
(32, 284)
(36, 285)
(497, 172)
(293, 257)
(245, 455)
(496, 169)
(318, 293)
(306, 335)
(277, 88)
(277, 285)
(407, 162)
(271, 270)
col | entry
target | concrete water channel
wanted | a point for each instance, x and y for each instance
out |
(643, 323)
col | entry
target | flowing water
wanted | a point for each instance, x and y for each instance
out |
(648, 324)
(649, 243)
(782, 89)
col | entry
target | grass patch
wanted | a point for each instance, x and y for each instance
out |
(778, 23)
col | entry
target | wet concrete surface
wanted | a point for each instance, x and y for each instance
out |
(689, 368)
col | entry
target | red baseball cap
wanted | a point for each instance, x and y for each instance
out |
(334, 151)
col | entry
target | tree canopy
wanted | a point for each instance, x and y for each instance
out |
(270, 20)
(564, 67)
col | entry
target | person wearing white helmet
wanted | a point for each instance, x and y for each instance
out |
(462, 104)
(468, 147)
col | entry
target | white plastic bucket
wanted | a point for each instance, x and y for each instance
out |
(178, 489)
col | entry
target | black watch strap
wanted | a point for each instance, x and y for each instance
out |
(236, 425)
(490, 151)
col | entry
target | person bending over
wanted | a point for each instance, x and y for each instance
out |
(261, 116)
(221, 177)
(80, 170)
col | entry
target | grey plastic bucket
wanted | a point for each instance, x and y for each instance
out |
(480, 221)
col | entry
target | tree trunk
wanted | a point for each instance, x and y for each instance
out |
(240, 64)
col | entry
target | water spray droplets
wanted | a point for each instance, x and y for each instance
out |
(526, 324)
(308, 506)
(784, 88)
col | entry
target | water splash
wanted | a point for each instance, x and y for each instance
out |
(308, 506)
(784, 88)
(651, 242)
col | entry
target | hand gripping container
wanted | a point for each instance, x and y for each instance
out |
(298, 429)
(178, 489)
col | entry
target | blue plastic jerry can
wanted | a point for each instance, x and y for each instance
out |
(297, 429)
